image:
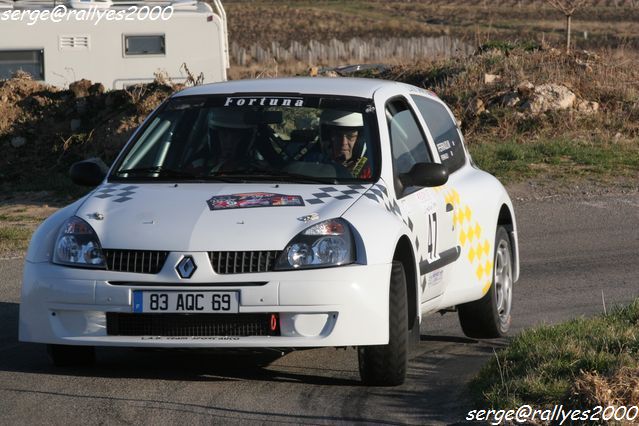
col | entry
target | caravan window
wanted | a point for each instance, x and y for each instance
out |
(144, 45)
(31, 61)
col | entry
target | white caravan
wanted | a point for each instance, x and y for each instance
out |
(117, 44)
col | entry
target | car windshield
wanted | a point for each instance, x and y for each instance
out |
(284, 138)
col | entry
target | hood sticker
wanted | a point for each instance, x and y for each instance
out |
(121, 193)
(253, 199)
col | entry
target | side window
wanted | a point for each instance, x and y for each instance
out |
(136, 45)
(30, 61)
(408, 143)
(444, 131)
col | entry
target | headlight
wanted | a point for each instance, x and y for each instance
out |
(78, 245)
(327, 243)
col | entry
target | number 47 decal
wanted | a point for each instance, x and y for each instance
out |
(432, 254)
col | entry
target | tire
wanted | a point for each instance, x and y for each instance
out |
(69, 356)
(385, 365)
(490, 316)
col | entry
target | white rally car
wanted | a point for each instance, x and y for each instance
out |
(282, 213)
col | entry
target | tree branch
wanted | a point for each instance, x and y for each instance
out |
(567, 7)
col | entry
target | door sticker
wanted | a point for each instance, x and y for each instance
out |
(432, 253)
(434, 278)
(427, 200)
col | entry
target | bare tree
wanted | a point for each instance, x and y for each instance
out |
(568, 8)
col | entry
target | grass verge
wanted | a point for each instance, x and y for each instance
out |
(584, 361)
(14, 239)
(18, 219)
(558, 159)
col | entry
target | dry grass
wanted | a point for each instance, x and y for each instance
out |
(608, 23)
(575, 363)
(511, 144)
(618, 389)
(264, 22)
(609, 77)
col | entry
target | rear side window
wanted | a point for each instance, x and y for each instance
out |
(444, 131)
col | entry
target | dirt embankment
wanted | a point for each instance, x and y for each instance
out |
(44, 129)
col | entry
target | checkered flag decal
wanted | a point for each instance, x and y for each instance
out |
(339, 194)
(379, 194)
(119, 192)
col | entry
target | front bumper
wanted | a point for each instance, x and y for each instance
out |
(342, 306)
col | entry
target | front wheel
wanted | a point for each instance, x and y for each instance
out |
(385, 365)
(490, 316)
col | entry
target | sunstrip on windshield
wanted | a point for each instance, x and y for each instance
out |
(253, 199)
(238, 101)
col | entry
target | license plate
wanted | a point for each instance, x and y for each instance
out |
(186, 301)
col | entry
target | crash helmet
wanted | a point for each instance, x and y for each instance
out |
(345, 120)
(231, 119)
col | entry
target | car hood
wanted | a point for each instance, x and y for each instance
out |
(211, 216)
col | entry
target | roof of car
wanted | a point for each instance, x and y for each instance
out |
(358, 87)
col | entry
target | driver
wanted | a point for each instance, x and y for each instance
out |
(232, 140)
(342, 140)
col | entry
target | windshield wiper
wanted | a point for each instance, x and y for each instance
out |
(172, 173)
(160, 170)
(279, 175)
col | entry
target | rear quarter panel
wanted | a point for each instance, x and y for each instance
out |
(477, 198)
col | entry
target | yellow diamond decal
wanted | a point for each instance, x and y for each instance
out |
(471, 254)
(477, 230)
(486, 287)
(487, 247)
(470, 234)
(468, 213)
(462, 237)
(489, 267)
(480, 272)
(456, 197)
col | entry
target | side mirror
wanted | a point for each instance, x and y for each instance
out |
(88, 172)
(425, 174)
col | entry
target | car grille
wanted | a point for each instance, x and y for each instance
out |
(192, 325)
(138, 261)
(241, 262)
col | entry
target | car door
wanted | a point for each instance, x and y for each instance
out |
(470, 191)
(425, 209)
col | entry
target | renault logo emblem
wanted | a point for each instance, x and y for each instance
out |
(186, 267)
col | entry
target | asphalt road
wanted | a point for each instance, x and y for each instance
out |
(572, 251)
